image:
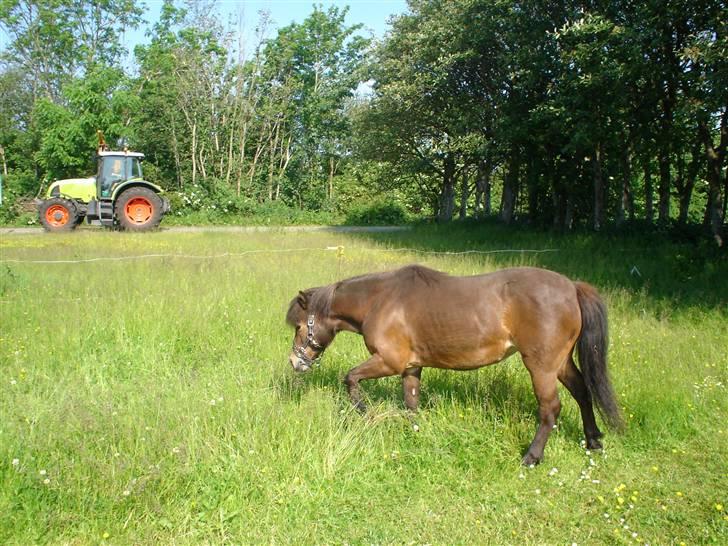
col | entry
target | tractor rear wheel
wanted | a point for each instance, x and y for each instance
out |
(138, 209)
(58, 214)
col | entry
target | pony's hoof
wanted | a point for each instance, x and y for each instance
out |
(530, 460)
(593, 444)
(361, 407)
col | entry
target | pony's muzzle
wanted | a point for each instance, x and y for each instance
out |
(298, 365)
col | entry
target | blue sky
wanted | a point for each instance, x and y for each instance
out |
(373, 14)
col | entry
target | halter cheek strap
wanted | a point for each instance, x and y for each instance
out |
(300, 352)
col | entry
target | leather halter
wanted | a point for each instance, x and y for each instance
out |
(300, 352)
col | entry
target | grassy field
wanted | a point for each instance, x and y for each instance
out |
(149, 400)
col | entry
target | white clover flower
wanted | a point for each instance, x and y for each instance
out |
(43, 472)
(16, 462)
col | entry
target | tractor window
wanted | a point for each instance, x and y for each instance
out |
(111, 171)
(133, 168)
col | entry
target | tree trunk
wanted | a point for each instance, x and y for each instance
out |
(464, 194)
(332, 172)
(687, 184)
(283, 164)
(725, 198)
(447, 194)
(666, 136)
(649, 191)
(177, 165)
(599, 189)
(715, 155)
(510, 187)
(663, 208)
(533, 190)
(482, 189)
(569, 215)
(194, 153)
(625, 204)
(558, 193)
(272, 149)
(203, 171)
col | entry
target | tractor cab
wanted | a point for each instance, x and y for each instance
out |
(115, 168)
(117, 196)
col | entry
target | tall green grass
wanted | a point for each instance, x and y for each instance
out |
(149, 400)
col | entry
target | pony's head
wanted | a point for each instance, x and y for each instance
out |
(308, 313)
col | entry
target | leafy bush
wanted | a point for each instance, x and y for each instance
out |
(198, 206)
(378, 213)
(16, 188)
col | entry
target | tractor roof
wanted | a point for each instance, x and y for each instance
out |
(120, 152)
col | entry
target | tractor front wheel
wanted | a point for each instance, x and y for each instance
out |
(138, 209)
(58, 214)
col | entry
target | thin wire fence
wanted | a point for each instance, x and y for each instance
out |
(338, 249)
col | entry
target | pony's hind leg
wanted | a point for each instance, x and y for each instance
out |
(369, 369)
(549, 407)
(411, 387)
(572, 379)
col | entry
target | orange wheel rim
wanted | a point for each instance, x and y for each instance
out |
(57, 215)
(139, 210)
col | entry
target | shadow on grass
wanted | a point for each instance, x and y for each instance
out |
(673, 270)
(503, 392)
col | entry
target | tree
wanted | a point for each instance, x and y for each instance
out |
(310, 72)
(59, 53)
(103, 98)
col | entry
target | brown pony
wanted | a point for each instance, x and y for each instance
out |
(416, 317)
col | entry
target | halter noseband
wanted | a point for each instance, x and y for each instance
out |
(300, 352)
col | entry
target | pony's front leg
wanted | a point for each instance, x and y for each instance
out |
(372, 368)
(411, 387)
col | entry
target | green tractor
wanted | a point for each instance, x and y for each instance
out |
(117, 196)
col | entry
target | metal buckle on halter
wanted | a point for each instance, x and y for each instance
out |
(309, 322)
(311, 340)
(300, 352)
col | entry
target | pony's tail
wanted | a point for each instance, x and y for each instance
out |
(592, 349)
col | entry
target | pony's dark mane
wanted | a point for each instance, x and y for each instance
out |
(318, 303)
(320, 298)
(408, 273)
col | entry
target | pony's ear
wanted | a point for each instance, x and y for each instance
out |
(302, 300)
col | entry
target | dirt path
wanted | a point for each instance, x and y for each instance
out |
(227, 229)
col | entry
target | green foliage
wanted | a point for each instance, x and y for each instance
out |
(197, 206)
(377, 213)
(569, 114)
(68, 132)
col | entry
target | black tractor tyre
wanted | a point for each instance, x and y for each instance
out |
(57, 214)
(138, 209)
